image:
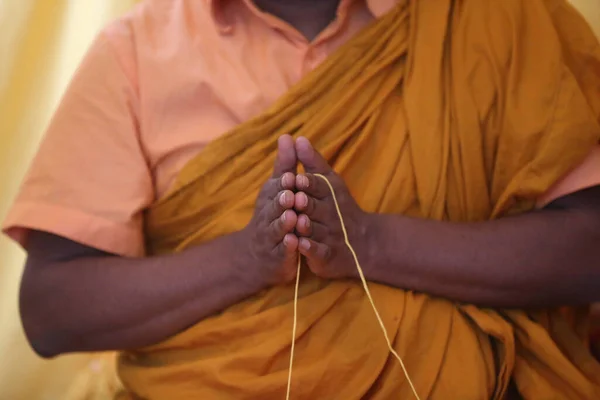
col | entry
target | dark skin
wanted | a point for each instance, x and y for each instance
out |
(75, 298)
(537, 241)
(309, 17)
(81, 317)
(544, 258)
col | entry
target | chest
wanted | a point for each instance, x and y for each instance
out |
(197, 90)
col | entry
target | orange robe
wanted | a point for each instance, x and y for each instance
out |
(430, 113)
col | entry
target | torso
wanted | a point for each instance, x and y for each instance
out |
(201, 71)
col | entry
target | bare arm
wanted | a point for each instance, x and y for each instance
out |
(76, 298)
(540, 259)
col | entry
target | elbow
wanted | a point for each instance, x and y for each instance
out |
(40, 339)
(48, 342)
(45, 341)
(50, 332)
(45, 338)
(41, 321)
(44, 349)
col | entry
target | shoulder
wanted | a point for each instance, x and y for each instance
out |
(156, 32)
(155, 23)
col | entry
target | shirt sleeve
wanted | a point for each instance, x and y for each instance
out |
(90, 180)
(585, 175)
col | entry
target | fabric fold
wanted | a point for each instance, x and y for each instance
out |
(438, 110)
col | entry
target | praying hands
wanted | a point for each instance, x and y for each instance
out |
(441, 258)
(319, 227)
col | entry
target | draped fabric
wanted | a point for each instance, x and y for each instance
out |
(40, 46)
(438, 110)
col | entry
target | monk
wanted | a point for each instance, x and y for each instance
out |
(187, 171)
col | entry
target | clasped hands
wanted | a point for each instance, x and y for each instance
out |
(296, 215)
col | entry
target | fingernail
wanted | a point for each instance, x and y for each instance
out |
(283, 217)
(303, 200)
(284, 198)
(305, 244)
(286, 240)
(304, 181)
(285, 180)
(307, 222)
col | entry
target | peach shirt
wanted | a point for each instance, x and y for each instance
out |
(154, 88)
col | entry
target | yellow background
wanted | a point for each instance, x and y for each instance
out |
(41, 43)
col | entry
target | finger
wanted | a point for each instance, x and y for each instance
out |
(287, 181)
(275, 186)
(317, 210)
(314, 251)
(286, 156)
(304, 226)
(287, 247)
(311, 159)
(310, 229)
(290, 244)
(283, 201)
(279, 228)
(312, 185)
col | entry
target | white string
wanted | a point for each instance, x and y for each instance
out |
(367, 291)
(294, 327)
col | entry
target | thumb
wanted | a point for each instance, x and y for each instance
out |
(287, 160)
(312, 160)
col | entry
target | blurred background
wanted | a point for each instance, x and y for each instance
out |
(41, 44)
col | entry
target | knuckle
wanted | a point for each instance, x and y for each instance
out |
(327, 253)
(270, 187)
(275, 203)
(317, 233)
(311, 206)
(316, 185)
(317, 269)
(275, 253)
(280, 251)
(275, 229)
(309, 231)
(283, 182)
(320, 211)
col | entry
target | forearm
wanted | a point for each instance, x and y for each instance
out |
(540, 259)
(114, 303)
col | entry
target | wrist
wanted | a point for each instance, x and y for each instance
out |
(391, 252)
(370, 250)
(382, 249)
(247, 266)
